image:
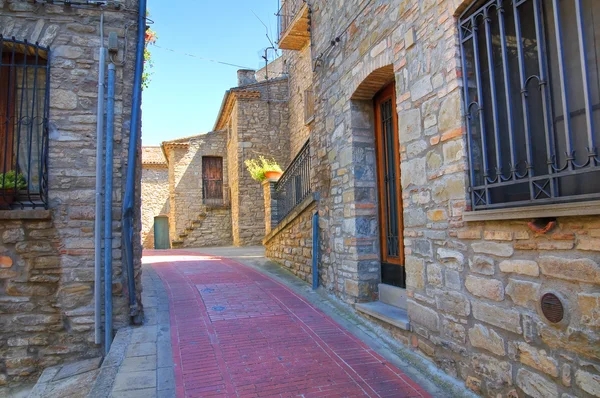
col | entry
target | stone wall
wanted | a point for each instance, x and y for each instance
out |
(259, 126)
(290, 244)
(299, 66)
(474, 287)
(213, 228)
(185, 178)
(47, 263)
(155, 191)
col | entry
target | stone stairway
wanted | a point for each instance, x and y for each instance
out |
(195, 224)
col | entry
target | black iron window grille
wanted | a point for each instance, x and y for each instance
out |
(294, 185)
(531, 77)
(287, 13)
(24, 99)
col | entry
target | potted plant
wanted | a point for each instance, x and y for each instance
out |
(262, 168)
(10, 183)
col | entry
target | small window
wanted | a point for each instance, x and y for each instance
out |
(532, 101)
(23, 124)
(309, 105)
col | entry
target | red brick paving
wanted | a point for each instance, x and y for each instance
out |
(237, 333)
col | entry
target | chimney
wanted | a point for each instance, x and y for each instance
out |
(246, 76)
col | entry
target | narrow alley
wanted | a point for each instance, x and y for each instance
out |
(237, 332)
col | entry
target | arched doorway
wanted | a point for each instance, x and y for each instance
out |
(389, 189)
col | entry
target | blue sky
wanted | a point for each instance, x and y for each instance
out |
(185, 93)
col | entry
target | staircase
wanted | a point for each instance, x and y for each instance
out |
(391, 307)
(195, 224)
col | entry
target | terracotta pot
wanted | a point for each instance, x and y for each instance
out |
(273, 175)
(7, 197)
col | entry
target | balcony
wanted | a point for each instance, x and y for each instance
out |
(294, 25)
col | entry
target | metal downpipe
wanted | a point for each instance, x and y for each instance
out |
(108, 202)
(129, 202)
(99, 185)
(315, 251)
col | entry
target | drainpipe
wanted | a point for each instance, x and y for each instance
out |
(129, 202)
(108, 202)
(315, 251)
(98, 222)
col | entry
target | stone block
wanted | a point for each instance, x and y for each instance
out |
(482, 265)
(588, 382)
(413, 173)
(494, 249)
(536, 386)
(495, 315)
(495, 371)
(522, 267)
(486, 338)
(589, 306)
(434, 275)
(423, 316)
(421, 88)
(449, 188)
(537, 359)
(451, 258)
(415, 272)
(588, 244)
(13, 235)
(409, 123)
(523, 293)
(492, 289)
(453, 302)
(580, 270)
(450, 116)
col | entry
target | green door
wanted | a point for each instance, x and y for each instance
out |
(161, 233)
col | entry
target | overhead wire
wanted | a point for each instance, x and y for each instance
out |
(200, 57)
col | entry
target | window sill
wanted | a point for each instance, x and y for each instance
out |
(553, 210)
(25, 214)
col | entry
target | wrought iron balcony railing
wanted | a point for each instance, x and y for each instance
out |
(294, 185)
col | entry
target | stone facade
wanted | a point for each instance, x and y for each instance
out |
(173, 187)
(474, 287)
(255, 117)
(155, 191)
(47, 256)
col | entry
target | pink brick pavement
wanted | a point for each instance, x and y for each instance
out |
(237, 333)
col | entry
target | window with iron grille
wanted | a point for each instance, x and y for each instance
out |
(309, 105)
(532, 100)
(24, 82)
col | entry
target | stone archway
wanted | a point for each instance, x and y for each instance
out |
(364, 216)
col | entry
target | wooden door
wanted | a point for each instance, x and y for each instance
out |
(212, 177)
(389, 188)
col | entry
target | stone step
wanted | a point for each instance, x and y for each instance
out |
(184, 235)
(69, 380)
(387, 313)
(177, 243)
(392, 295)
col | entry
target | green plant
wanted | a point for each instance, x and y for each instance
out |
(10, 179)
(258, 167)
(150, 39)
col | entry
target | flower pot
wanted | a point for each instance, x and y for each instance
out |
(273, 175)
(7, 197)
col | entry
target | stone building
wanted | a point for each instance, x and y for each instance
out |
(448, 210)
(48, 111)
(155, 192)
(212, 199)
